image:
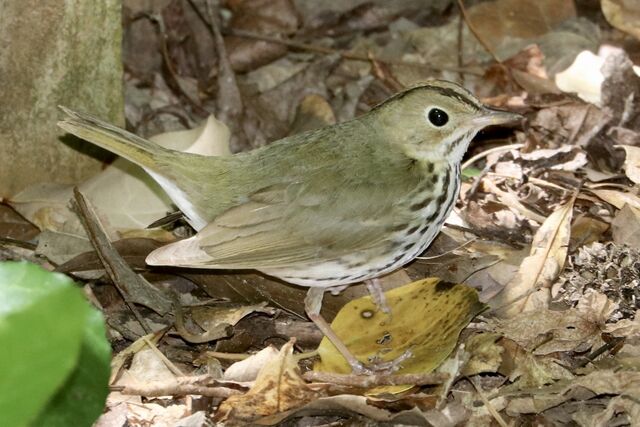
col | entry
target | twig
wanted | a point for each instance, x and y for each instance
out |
(131, 286)
(485, 153)
(476, 184)
(488, 235)
(533, 180)
(495, 414)
(451, 251)
(460, 47)
(229, 100)
(384, 76)
(607, 347)
(344, 54)
(168, 363)
(19, 243)
(174, 389)
(376, 380)
(159, 21)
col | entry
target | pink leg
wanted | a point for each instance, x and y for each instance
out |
(313, 303)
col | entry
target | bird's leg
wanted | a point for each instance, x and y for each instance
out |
(312, 306)
(377, 294)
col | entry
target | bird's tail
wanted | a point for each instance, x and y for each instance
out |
(125, 144)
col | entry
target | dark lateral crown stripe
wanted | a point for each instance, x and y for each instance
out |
(444, 91)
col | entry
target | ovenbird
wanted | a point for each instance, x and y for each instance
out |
(325, 208)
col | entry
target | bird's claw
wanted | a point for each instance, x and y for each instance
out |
(379, 367)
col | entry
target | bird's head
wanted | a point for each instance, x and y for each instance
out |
(434, 119)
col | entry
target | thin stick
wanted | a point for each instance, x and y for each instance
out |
(485, 153)
(366, 381)
(343, 53)
(174, 389)
(533, 180)
(168, 363)
(495, 414)
(476, 34)
(124, 279)
(159, 21)
(451, 251)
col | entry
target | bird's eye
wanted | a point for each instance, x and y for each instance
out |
(438, 117)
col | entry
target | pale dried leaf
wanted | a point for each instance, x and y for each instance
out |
(248, 369)
(618, 405)
(531, 370)
(212, 317)
(510, 199)
(484, 354)
(617, 198)
(625, 227)
(546, 331)
(566, 157)
(595, 307)
(632, 162)
(628, 328)
(541, 267)
(623, 14)
(598, 382)
(278, 388)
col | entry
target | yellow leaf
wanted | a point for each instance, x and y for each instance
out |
(426, 318)
(623, 15)
(530, 287)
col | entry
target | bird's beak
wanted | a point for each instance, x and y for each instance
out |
(491, 117)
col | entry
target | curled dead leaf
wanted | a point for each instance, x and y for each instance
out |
(278, 388)
(530, 288)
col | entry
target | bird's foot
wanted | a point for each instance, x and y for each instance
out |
(377, 366)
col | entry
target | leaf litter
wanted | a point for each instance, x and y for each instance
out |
(546, 228)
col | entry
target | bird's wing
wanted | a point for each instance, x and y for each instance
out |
(293, 224)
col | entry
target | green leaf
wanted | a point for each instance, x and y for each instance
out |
(45, 327)
(81, 399)
(470, 172)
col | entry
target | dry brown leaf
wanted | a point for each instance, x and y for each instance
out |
(348, 405)
(617, 198)
(484, 354)
(271, 17)
(545, 331)
(530, 370)
(586, 230)
(512, 201)
(600, 382)
(213, 317)
(632, 162)
(628, 328)
(530, 288)
(14, 226)
(249, 368)
(616, 406)
(501, 20)
(278, 388)
(625, 227)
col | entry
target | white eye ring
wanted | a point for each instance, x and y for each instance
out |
(436, 116)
